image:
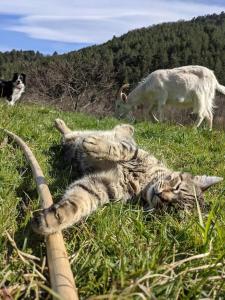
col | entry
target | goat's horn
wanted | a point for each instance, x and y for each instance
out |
(61, 276)
(121, 95)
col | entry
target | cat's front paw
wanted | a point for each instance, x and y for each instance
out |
(44, 222)
(96, 147)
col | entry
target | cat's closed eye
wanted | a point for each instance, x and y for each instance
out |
(176, 188)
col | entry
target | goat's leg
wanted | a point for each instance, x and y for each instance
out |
(153, 117)
(209, 120)
(145, 112)
(199, 120)
(161, 99)
(161, 112)
(151, 113)
(201, 111)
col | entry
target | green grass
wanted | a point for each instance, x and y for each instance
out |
(121, 251)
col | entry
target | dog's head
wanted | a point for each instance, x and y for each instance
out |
(19, 80)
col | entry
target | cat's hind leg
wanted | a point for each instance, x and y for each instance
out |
(62, 127)
(68, 134)
(115, 150)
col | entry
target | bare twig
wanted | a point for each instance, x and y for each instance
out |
(21, 254)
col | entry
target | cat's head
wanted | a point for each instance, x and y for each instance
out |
(181, 190)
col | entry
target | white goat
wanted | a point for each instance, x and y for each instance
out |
(192, 86)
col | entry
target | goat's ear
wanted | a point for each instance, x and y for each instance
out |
(206, 181)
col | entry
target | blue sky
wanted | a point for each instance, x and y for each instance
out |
(63, 26)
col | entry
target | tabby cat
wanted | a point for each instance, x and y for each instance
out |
(113, 168)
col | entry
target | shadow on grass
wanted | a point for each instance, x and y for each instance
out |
(63, 169)
(27, 192)
(62, 173)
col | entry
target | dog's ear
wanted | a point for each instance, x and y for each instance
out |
(15, 76)
(24, 77)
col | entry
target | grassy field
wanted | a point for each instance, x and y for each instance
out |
(121, 251)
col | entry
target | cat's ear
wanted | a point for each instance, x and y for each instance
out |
(206, 181)
(124, 129)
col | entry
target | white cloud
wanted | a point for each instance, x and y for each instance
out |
(4, 48)
(95, 21)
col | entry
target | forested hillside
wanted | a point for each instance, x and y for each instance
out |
(87, 80)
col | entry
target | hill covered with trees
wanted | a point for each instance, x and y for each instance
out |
(88, 79)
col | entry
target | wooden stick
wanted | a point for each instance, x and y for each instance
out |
(61, 276)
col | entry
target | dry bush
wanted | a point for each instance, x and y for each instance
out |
(73, 88)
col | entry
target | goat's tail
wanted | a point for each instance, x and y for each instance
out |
(120, 94)
(220, 88)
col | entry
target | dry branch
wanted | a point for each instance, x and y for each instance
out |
(61, 276)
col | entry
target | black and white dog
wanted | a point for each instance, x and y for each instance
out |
(13, 89)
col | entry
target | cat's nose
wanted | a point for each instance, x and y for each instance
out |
(36, 220)
(157, 192)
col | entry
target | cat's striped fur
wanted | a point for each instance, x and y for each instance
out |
(113, 168)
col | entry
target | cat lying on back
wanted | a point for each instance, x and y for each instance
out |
(113, 168)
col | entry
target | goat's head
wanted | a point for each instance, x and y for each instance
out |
(122, 107)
